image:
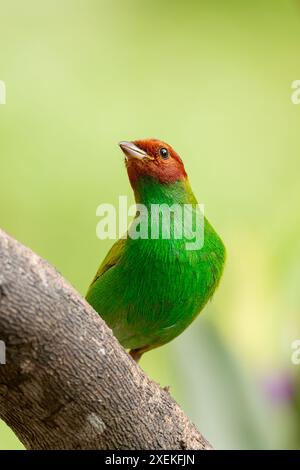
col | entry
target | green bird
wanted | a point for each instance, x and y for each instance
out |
(149, 288)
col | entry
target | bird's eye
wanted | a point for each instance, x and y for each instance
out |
(164, 153)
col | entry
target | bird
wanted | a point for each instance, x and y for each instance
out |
(149, 289)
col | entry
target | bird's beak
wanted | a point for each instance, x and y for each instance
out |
(132, 151)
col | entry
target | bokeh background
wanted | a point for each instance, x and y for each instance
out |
(214, 80)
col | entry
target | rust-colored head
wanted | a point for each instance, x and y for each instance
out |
(152, 157)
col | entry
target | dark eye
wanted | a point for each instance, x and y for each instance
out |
(164, 153)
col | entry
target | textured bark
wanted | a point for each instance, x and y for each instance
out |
(67, 383)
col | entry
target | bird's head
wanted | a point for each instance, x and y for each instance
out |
(153, 158)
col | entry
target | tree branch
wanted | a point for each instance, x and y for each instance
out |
(67, 382)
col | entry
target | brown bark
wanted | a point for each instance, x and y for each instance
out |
(67, 383)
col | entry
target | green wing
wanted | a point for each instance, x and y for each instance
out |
(111, 259)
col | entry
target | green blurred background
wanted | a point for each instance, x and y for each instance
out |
(214, 80)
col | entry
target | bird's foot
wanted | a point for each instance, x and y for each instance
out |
(136, 354)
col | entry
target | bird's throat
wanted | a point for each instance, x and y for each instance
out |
(150, 191)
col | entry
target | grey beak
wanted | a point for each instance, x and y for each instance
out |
(131, 150)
